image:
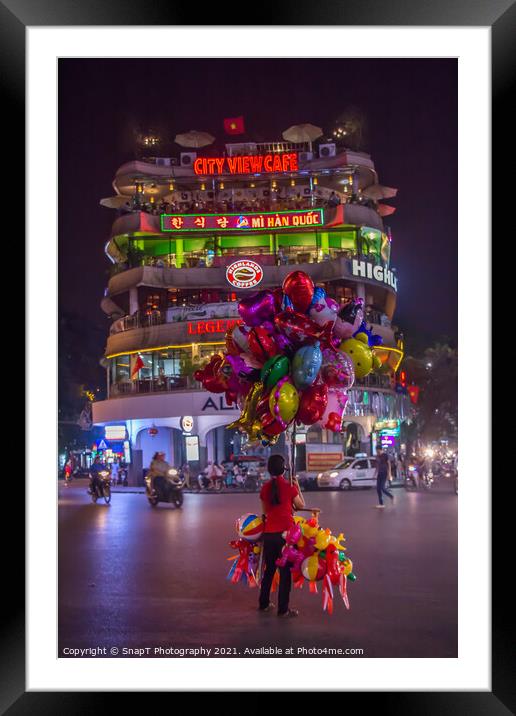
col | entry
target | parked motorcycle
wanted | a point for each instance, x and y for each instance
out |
(101, 487)
(165, 489)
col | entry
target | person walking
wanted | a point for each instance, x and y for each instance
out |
(279, 498)
(68, 472)
(382, 473)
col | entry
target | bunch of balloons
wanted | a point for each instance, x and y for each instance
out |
(249, 528)
(293, 358)
(313, 553)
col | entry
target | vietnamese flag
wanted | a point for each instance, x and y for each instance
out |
(136, 365)
(234, 125)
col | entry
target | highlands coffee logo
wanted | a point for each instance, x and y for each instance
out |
(375, 273)
(244, 274)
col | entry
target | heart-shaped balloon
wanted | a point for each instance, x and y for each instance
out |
(256, 309)
(332, 417)
(312, 404)
(298, 328)
(299, 287)
(261, 344)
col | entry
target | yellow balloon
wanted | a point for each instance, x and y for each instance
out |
(323, 539)
(347, 567)
(287, 402)
(360, 354)
(248, 414)
(337, 541)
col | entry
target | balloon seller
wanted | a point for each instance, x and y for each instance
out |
(290, 360)
(279, 498)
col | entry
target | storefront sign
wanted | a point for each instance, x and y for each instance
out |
(187, 423)
(322, 460)
(201, 328)
(243, 222)
(251, 164)
(244, 274)
(216, 403)
(364, 269)
(192, 448)
(115, 432)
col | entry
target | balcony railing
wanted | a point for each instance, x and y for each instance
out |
(206, 259)
(176, 314)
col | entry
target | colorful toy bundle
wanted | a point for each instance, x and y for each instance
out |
(314, 554)
(293, 358)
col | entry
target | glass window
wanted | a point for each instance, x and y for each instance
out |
(361, 465)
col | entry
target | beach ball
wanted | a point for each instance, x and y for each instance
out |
(249, 527)
(313, 568)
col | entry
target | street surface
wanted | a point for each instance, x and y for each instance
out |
(133, 576)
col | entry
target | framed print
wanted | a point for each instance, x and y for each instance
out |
(263, 252)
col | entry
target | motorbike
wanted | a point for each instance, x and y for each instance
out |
(412, 477)
(203, 482)
(102, 486)
(165, 489)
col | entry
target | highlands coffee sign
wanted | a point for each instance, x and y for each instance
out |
(252, 164)
(364, 269)
(242, 222)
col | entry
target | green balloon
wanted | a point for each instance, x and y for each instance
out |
(273, 370)
(322, 554)
(352, 577)
(342, 556)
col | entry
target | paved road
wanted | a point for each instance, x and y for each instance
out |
(132, 576)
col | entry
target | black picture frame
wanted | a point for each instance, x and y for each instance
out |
(500, 15)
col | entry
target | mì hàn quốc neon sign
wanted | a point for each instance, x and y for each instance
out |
(251, 164)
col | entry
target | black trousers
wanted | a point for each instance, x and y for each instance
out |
(381, 481)
(272, 546)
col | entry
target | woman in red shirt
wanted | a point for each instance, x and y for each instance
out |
(279, 499)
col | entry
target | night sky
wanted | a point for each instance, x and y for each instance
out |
(410, 112)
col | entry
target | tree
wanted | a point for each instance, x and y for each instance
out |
(436, 374)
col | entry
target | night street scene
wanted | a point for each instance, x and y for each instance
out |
(257, 436)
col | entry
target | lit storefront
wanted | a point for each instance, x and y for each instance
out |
(199, 238)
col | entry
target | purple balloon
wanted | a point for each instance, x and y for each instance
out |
(258, 308)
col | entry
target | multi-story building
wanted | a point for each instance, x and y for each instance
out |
(182, 224)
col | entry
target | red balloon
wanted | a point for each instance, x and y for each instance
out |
(297, 327)
(312, 404)
(270, 426)
(278, 299)
(261, 344)
(299, 287)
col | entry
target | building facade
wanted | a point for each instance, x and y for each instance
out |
(193, 235)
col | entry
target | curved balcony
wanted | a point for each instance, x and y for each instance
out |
(327, 269)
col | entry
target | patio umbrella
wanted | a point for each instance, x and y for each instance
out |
(194, 139)
(377, 191)
(385, 209)
(300, 133)
(116, 202)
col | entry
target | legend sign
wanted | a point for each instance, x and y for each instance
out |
(242, 222)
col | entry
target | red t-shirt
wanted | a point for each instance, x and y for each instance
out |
(278, 517)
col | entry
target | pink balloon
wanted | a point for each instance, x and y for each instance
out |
(333, 415)
(256, 309)
(337, 368)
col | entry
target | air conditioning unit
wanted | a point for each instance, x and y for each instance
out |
(163, 161)
(306, 156)
(188, 158)
(327, 150)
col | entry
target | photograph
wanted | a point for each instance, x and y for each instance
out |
(258, 375)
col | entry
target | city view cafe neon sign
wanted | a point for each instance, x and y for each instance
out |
(252, 164)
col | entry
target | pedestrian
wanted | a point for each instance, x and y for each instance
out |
(68, 472)
(114, 472)
(382, 473)
(279, 498)
(186, 474)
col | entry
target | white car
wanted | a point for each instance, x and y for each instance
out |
(351, 472)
